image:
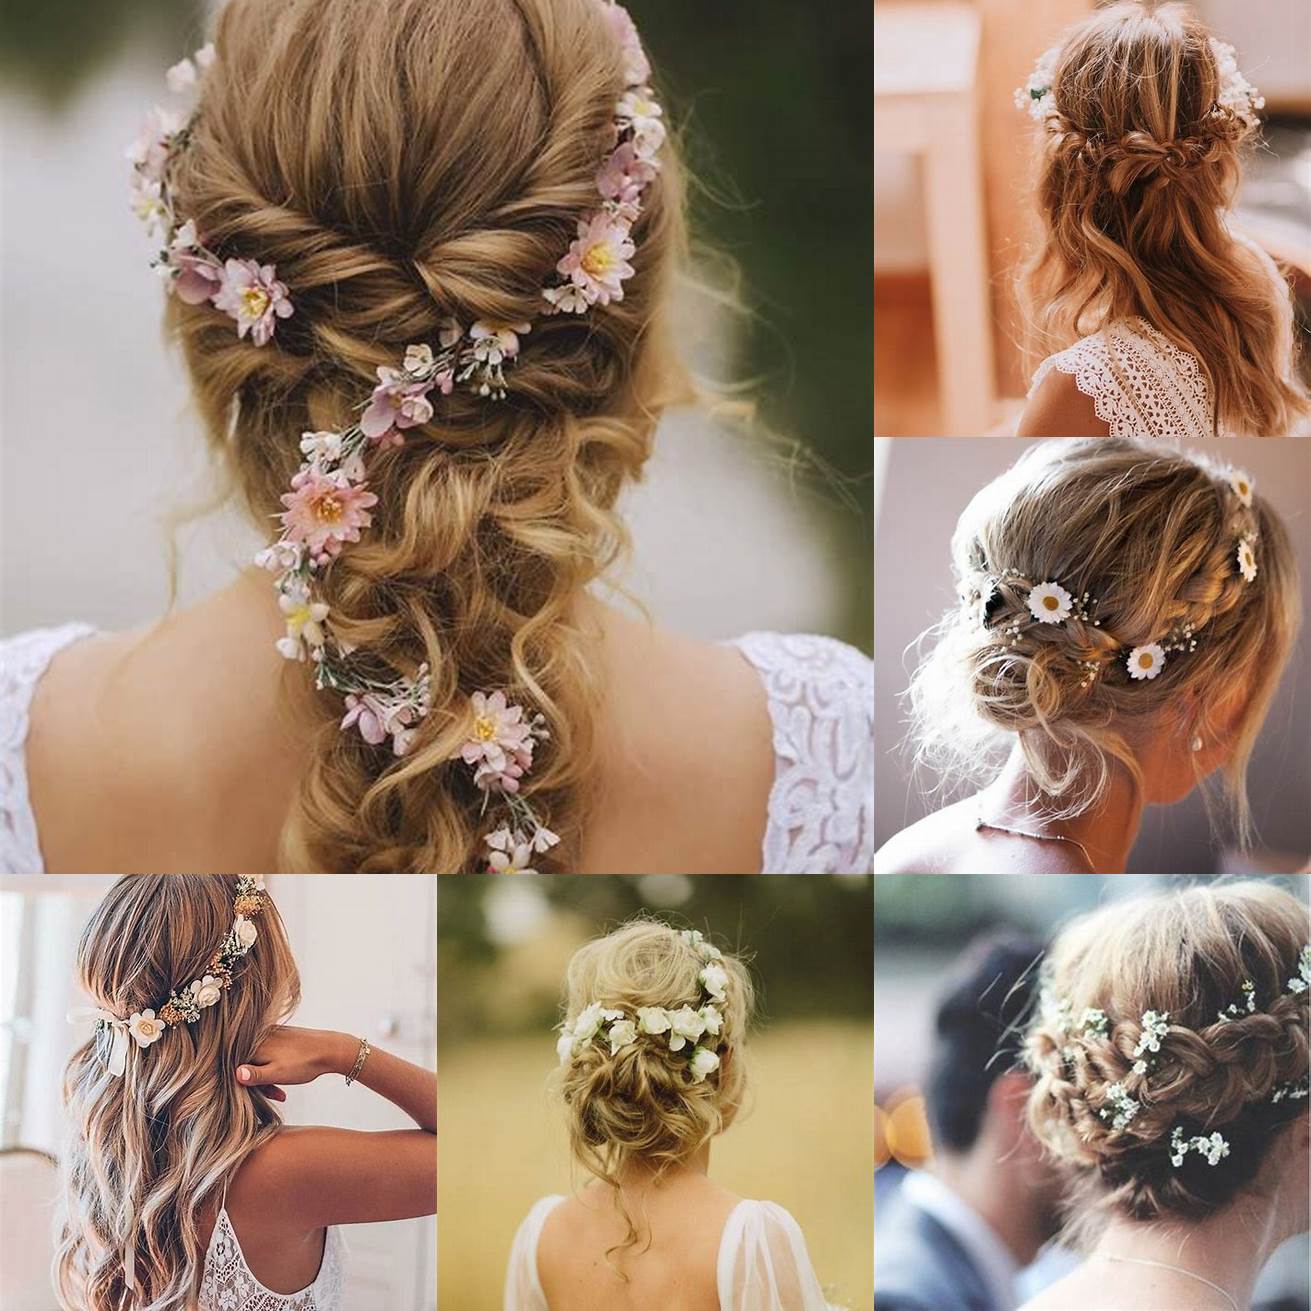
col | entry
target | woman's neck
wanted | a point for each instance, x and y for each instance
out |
(1227, 1249)
(1106, 831)
(638, 1177)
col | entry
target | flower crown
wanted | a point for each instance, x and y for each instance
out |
(1048, 602)
(1236, 95)
(686, 1028)
(1119, 1106)
(185, 1005)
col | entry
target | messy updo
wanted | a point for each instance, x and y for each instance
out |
(1139, 165)
(642, 1106)
(1152, 537)
(401, 161)
(1222, 1066)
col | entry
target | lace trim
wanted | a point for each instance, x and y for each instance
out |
(821, 705)
(229, 1285)
(1141, 384)
(23, 660)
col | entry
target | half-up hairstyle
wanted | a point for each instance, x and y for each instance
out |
(642, 1105)
(1152, 536)
(150, 1151)
(399, 162)
(1139, 165)
(1223, 1066)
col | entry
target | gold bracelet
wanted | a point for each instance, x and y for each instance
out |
(365, 1049)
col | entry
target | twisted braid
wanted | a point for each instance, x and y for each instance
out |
(402, 161)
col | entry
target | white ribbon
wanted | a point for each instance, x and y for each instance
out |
(117, 1028)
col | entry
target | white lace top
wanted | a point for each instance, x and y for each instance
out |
(1142, 384)
(763, 1264)
(228, 1285)
(821, 704)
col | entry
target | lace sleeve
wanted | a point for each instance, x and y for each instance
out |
(523, 1289)
(763, 1263)
(821, 705)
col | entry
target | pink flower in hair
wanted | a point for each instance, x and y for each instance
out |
(501, 743)
(625, 175)
(198, 277)
(325, 510)
(149, 152)
(637, 69)
(598, 261)
(492, 344)
(254, 297)
(367, 713)
(397, 402)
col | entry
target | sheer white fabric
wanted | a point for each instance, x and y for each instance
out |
(1143, 385)
(229, 1285)
(821, 703)
(820, 695)
(23, 659)
(763, 1264)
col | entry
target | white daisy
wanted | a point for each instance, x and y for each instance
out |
(1050, 603)
(1242, 486)
(1246, 559)
(1146, 661)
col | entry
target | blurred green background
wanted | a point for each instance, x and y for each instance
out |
(805, 1141)
(773, 103)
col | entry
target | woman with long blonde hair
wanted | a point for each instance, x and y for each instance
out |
(1169, 1059)
(1125, 612)
(183, 1190)
(420, 258)
(1152, 314)
(653, 1068)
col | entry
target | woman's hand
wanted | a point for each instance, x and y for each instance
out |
(290, 1055)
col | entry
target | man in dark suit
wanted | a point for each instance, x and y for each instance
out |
(953, 1237)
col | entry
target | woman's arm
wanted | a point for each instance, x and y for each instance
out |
(341, 1176)
(1059, 409)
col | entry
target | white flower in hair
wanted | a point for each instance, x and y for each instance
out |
(145, 1028)
(703, 1062)
(1050, 603)
(564, 1045)
(653, 1019)
(714, 978)
(1247, 558)
(1035, 96)
(623, 1033)
(1241, 484)
(712, 1019)
(685, 1025)
(1303, 980)
(1119, 1107)
(1155, 1027)
(1146, 661)
(587, 1022)
(245, 931)
(206, 991)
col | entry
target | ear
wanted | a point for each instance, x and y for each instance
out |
(1007, 1099)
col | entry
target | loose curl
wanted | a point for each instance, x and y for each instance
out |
(1187, 954)
(1138, 168)
(402, 161)
(148, 1153)
(1151, 534)
(641, 1106)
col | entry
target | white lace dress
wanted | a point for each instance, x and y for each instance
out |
(821, 705)
(762, 1265)
(229, 1285)
(1143, 385)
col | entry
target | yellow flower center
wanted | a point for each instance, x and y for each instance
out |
(298, 618)
(1145, 660)
(1051, 603)
(598, 260)
(1242, 488)
(328, 508)
(484, 728)
(254, 301)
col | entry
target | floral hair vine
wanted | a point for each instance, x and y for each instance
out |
(1236, 94)
(1048, 602)
(685, 1028)
(184, 1006)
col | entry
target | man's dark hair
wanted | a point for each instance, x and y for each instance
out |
(978, 1032)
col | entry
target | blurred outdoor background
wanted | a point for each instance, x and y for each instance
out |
(804, 1141)
(730, 533)
(922, 925)
(920, 490)
(953, 203)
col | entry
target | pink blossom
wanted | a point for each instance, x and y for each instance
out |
(625, 175)
(598, 261)
(493, 344)
(369, 715)
(501, 743)
(325, 510)
(254, 297)
(149, 153)
(198, 280)
(566, 299)
(637, 69)
(397, 403)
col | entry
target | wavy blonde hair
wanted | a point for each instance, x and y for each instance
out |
(1187, 954)
(147, 1153)
(1151, 534)
(1137, 171)
(401, 161)
(639, 1106)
